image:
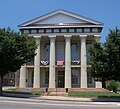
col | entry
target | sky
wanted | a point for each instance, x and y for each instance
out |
(15, 12)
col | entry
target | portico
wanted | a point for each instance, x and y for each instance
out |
(62, 53)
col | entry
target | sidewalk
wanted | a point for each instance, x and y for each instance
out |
(78, 99)
(63, 98)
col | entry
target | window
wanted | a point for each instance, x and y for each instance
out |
(48, 30)
(71, 30)
(46, 77)
(79, 30)
(89, 78)
(95, 30)
(75, 76)
(33, 31)
(60, 51)
(88, 53)
(41, 30)
(63, 30)
(74, 52)
(87, 30)
(26, 31)
(56, 30)
(47, 51)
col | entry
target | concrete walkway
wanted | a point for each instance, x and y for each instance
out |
(79, 99)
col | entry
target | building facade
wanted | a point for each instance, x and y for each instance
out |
(62, 54)
(11, 79)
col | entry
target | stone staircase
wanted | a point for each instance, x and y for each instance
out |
(56, 94)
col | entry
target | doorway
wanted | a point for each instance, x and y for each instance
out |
(61, 79)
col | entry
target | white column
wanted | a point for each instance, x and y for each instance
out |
(83, 62)
(67, 61)
(98, 84)
(52, 62)
(36, 83)
(22, 77)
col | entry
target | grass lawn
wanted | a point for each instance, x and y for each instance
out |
(94, 94)
(37, 93)
(18, 93)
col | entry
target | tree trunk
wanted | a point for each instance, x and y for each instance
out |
(1, 82)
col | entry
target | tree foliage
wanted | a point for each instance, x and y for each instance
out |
(112, 49)
(15, 50)
(97, 61)
(105, 58)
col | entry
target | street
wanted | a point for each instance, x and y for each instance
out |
(20, 103)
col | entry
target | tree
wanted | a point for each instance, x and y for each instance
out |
(105, 59)
(112, 49)
(97, 62)
(15, 50)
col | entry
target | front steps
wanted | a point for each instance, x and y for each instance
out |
(56, 94)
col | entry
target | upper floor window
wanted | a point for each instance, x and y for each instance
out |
(74, 52)
(56, 30)
(95, 30)
(79, 30)
(33, 31)
(71, 30)
(26, 31)
(48, 30)
(47, 51)
(41, 30)
(63, 30)
(88, 53)
(87, 30)
(60, 51)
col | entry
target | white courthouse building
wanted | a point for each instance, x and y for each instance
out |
(62, 54)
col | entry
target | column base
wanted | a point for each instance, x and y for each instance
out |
(36, 83)
(98, 84)
(22, 77)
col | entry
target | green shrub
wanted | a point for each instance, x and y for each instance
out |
(113, 86)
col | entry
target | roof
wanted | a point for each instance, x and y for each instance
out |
(59, 18)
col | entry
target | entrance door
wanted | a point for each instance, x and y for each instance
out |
(61, 79)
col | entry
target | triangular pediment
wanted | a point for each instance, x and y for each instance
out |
(60, 17)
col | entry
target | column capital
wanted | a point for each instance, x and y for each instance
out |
(67, 36)
(52, 36)
(82, 36)
(97, 37)
(37, 37)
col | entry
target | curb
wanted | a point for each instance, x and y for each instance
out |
(76, 99)
(61, 98)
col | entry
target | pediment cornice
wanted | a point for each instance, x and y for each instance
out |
(60, 18)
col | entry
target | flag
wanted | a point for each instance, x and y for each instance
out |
(60, 62)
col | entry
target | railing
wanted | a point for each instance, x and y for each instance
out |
(58, 63)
